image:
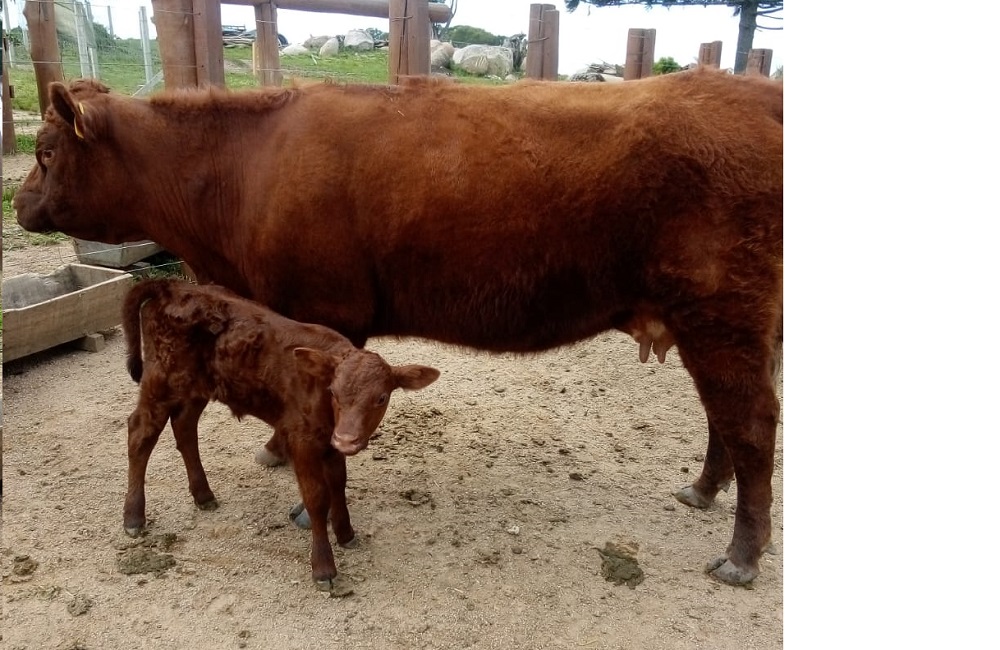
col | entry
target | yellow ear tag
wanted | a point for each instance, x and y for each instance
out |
(76, 127)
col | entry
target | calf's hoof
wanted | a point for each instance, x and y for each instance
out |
(338, 586)
(300, 516)
(689, 496)
(267, 459)
(351, 543)
(724, 570)
(211, 504)
(134, 531)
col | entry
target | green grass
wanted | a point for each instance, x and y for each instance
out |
(357, 67)
(121, 69)
(25, 143)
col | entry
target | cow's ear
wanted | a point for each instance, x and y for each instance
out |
(71, 111)
(414, 377)
(62, 101)
(314, 362)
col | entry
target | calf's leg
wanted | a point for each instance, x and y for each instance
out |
(184, 421)
(308, 461)
(731, 368)
(335, 470)
(336, 477)
(144, 428)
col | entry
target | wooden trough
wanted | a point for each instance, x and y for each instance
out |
(72, 302)
(117, 255)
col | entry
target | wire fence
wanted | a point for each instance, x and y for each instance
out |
(143, 258)
(110, 43)
(118, 45)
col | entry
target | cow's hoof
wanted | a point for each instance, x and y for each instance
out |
(691, 497)
(211, 504)
(267, 459)
(300, 516)
(724, 570)
(338, 587)
(351, 543)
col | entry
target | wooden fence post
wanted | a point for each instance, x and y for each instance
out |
(45, 58)
(409, 39)
(639, 53)
(550, 35)
(208, 42)
(710, 54)
(174, 20)
(9, 136)
(543, 42)
(759, 62)
(265, 47)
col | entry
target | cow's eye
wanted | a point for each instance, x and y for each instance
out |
(45, 156)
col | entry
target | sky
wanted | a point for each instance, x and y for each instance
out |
(588, 35)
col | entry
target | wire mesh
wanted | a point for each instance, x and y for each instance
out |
(103, 41)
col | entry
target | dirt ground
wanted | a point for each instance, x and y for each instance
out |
(481, 508)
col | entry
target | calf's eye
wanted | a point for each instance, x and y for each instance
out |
(382, 399)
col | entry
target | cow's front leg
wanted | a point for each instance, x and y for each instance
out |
(716, 474)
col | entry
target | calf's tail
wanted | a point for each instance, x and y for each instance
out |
(137, 295)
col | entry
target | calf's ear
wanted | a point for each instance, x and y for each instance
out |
(414, 377)
(313, 362)
(72, 111)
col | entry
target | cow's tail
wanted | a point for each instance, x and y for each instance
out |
(137, 295)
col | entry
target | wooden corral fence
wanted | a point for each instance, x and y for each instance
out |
(710, 54)
(639, 53)
(759, 62)
(542, 61)
(190, 35)
(41, 20)
(9, 137)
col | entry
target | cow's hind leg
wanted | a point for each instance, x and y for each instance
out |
(184, 421)
(731, 368)
(144, 428)
(272, 453)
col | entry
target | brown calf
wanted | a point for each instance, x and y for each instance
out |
(203, 343)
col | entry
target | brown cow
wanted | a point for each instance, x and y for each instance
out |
(512, 218)
(203, 343)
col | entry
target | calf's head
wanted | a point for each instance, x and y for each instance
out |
(360, 383)
(80, 181)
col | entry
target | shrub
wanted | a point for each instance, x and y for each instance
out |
(666, 65)
(463, 35)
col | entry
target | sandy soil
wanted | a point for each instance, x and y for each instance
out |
(480, 506)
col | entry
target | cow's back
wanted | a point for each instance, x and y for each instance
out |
(517, 217)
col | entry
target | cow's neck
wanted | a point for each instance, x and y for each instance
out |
(194, 188)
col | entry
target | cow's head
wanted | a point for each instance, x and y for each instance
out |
(79, 178)
(360, 383)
